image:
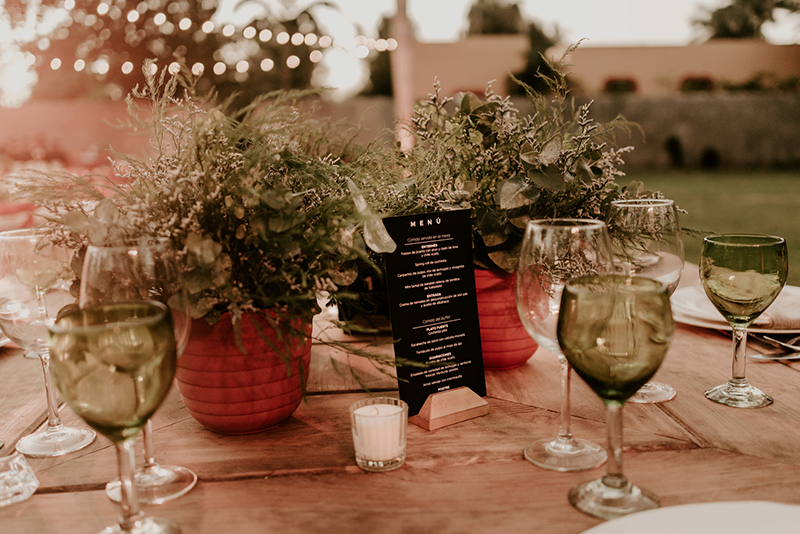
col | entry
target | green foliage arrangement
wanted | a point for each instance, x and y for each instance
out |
(257, 201)
(508, 168)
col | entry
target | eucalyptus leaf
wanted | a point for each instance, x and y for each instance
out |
(470, 102)
(584, 172)
(278, 224)
(529, 154)
(505, 259)
(475, 137)
(515, 193)
(96, 233)
(493, 229)
(551, 150)
(106, 212)
(549, 178)
(76, 221)
(377, 237)
(273, 199)
(521, 221)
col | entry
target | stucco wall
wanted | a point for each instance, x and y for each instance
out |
(660, 70)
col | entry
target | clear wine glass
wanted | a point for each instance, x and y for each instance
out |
(552, 252)
(136, 271)
(615, 331)
(33, 274)
(647, 240)
(114, 364)
(742, 275)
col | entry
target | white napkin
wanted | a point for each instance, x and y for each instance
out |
(783, 314)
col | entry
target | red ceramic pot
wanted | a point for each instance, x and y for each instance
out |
(504, 341)
(234, 393)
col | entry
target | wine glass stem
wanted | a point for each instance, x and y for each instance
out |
(739, 356)
(131, 516)
(614, 477)
(150, 462)
(53, 420)
(564, 428)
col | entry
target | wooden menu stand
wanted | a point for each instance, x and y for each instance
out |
(450, 407)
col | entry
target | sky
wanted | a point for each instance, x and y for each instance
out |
(598, 22)
(602, 22)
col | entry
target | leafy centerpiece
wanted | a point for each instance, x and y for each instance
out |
(257, 204)
(508, 168)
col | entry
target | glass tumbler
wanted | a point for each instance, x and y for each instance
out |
(17, 480)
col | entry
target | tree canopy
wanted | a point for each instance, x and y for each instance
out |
(100, 46)
(743, 19)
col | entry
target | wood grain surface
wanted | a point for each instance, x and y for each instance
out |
(300, 476)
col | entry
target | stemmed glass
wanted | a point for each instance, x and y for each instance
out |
(32, 291)
(615, 331)
(742, 275)
(114, 364)
(136, 271)
(647, 241)
(552, 252)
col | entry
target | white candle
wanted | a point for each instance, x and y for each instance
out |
(379, 433)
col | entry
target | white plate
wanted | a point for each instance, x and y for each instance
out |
(693, 321)
(691, 306)
(746, 516)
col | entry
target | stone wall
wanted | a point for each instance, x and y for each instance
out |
(728, 131)
(734, 131)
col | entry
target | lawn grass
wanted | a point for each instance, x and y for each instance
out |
(734, 202)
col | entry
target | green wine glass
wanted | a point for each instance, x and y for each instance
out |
(142, 269)
(742, 275)
(615, 331)
(114, 364)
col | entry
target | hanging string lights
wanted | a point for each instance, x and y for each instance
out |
(152, 22)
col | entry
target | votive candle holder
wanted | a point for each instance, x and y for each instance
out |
(379, 432)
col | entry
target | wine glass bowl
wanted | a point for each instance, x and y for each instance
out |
(615, 330)
(552, 252)
(33, 278)
(142, 270)
(114, 365)
(742, 275)
(647, 240)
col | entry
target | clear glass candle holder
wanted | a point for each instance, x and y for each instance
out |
(379, 432)
(17, 480)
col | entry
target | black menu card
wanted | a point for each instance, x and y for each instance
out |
(433, 307)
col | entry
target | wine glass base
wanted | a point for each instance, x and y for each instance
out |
(566, 455)
(50, 443)
(598, 500)
(159, 485)
(148, 525)
(653, 392)
(739, 396)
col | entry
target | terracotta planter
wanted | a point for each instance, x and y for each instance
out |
(504, 341)
(234, 393)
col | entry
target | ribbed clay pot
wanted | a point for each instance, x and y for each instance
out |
(504, 341)
(234, 393)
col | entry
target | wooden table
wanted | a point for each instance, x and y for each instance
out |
(470, 477)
